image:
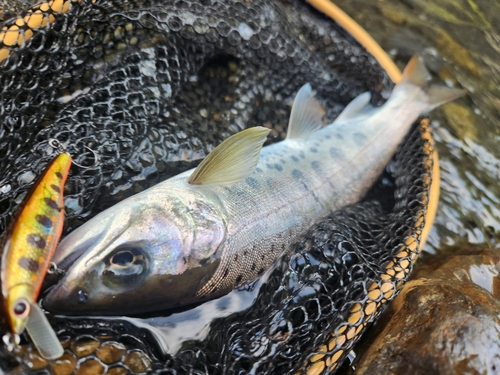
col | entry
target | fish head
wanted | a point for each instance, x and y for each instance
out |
(125, 256)
(18, 306)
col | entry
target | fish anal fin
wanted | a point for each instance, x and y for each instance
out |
(233, 160)
(307, 114)
(359, 103)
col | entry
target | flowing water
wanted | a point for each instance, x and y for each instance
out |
(460, 41)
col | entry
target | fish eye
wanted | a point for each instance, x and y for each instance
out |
(21, 308)
(125, 267)
(122, 258)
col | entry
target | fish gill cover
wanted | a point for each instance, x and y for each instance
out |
(152, 87)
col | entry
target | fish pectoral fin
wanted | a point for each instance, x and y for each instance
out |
(359, 103)
(233, 160)
(307, 114)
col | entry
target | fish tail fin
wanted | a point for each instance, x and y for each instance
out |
(416, 74)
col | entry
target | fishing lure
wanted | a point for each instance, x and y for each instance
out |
(28, 247)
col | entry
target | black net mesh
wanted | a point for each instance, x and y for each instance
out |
(151, 87)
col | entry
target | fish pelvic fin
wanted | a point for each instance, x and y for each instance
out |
(233, 160)
(416, 74)
(307, 114)
(353, 109)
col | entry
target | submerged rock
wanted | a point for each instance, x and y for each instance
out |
(445, 321)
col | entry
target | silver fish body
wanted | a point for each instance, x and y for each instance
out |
(191, 239)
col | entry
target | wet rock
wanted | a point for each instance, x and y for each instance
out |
(111, 352)
(34, 360)
(445, 321)
(84, 346)
(137, 361)
(64, 365)
(90, 367)
(117, 371)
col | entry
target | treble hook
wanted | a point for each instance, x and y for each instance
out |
(11, 341)
(55, 143)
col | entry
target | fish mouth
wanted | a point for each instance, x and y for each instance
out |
(67, 297)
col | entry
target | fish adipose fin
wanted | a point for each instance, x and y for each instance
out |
(307, 114)
(416, 74)
(233, 160)
(359, 103)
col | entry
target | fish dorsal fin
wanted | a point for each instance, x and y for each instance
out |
(359, 103)
(233, 160)
(307, 114)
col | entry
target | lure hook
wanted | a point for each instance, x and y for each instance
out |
(56, 144)
(54, 270)
(11, 340)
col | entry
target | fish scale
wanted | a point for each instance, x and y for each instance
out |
(295, 183)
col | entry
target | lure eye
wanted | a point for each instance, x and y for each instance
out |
(21, 308)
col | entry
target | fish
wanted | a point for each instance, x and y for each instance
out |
(200, 234)
(28, 246)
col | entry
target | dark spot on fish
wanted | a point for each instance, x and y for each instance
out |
(36, 240)
(254, 266)
(252, 182)
(282, 161)
(297, 175)
(258, 170)
(295, 159)
(226, 272)
(316, 165)
(59, 175)
(44, 220)
(312, 149)
(359, 137)
(52, 204)
(278, 167)
(239, 278)
(55, 188)
(263, 256)
(269, 166)
(236, 258)
(327, 136)
(185, 260)
(339, 136)
(245, 252)
(301, 154)
(28, 264)
(271, 183)
(261, 271)
(336, 153)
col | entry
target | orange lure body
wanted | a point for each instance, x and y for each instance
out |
(31, 240)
